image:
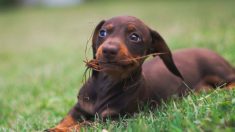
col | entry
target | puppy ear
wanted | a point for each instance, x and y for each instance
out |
(95, 43)
(95, 38)
(159, 45)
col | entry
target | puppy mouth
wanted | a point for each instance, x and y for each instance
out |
(118, 69)
(107, 65)
(115, 65)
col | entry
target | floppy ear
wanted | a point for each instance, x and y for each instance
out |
(95, 42)
(159, 45)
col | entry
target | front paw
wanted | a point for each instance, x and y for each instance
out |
(56, 130)
(50, 130)
(71, 129)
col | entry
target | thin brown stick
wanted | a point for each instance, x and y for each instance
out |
(137, 58)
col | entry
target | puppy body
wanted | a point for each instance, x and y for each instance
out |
(155, 82)
(125, 81)
(201, 68)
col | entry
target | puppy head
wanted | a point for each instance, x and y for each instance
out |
(120, 45)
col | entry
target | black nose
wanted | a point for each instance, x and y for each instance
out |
(110, 51)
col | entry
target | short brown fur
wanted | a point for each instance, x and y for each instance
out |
(136, 82)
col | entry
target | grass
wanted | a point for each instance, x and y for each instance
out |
(206, 112)
(41, 67)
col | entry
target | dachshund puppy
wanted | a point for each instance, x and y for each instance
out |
(121, 80)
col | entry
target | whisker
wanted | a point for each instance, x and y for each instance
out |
(86, 58)
(87, 42)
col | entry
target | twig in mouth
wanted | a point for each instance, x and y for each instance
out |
(94, 63)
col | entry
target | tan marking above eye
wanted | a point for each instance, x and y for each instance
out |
(109, 27)
(130, 27)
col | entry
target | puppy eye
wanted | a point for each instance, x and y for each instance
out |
(102, 33)
(135, 37)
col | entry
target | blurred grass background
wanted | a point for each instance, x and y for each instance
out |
(42, 51)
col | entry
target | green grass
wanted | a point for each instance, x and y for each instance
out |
(42, 53)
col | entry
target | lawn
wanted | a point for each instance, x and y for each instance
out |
(42, 52)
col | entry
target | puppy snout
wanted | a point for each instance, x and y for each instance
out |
(110, 51)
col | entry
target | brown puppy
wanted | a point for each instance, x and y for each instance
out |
(121, 80)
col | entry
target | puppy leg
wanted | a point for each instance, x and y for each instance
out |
(71, 122)
(203, 87)
(212, 82)
(231, 84)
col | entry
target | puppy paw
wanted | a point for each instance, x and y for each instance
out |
(56, 130)
(71, 129)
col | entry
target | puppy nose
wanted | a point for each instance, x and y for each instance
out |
(109, 51)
